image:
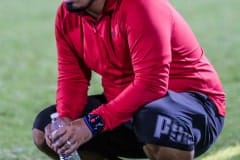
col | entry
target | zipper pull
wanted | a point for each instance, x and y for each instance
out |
(94, 28)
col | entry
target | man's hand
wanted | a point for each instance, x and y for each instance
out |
(69, 137)
(48, 132)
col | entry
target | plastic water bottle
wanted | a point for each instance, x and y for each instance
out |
(55, 125)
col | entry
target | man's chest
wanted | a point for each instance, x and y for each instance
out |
(102, 46)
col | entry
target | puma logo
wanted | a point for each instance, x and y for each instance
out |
(172, 129)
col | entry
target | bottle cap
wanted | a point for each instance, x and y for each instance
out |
(54, 115)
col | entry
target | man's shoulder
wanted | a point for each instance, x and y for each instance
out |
(61, 11)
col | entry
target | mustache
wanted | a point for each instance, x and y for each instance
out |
(71, 8)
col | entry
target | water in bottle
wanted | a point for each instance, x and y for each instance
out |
(55, 125)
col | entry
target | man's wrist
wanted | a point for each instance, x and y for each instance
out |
(95, 123)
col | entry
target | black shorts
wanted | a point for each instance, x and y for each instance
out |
(185, 121)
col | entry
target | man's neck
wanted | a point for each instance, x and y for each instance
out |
(96, 8)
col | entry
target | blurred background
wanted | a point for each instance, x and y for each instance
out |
(28, 69)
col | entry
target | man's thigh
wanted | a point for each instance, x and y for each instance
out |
(120, 142)
(179, 120)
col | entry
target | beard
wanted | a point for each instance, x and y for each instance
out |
(71, 8)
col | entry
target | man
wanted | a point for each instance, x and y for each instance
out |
(162, 98)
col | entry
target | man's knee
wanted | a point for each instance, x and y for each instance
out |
(40, 122)
(156, 152)
(39, 141)
(38, 138)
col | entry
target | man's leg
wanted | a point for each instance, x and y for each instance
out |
(156, 152)
(178, 126)
(38, 137)
(43, 118)
(120, 142)
(39, 141)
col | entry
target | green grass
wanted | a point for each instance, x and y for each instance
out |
(28, 69)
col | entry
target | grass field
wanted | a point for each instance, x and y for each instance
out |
(28, 69)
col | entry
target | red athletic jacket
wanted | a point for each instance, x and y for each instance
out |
(141, 48)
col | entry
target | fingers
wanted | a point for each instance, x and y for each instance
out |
(59, 138)
(47, 135)
(75, 136)
(68, 148)
(48, 141)
(57, 141)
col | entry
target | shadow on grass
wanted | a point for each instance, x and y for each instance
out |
(228, 153)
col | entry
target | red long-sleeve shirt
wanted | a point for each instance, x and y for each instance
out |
(140, 48)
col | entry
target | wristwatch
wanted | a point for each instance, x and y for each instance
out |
(95, 123)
